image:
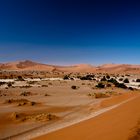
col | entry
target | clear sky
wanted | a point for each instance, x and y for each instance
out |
(70, 31)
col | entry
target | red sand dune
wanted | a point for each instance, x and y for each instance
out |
(107, 68)
(120, 68)
(26, 65)
(116, 124)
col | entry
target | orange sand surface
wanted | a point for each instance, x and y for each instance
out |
(116, 124)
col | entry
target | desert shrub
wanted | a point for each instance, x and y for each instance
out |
(78, 76)
(121, 85)
(47, 94)
(33, 103)
(74, 87)
(83, 83)
(112, 80)
(91, 94)
(104, 79)
(100, 85)
(2, 83)
(16, 101)
(44, 85)
(49, 83)
(66, 77)
(34, 117)
(20, 78)
(51, 117)
(108, 85)
(126, 80)
(101, 95)
(107, 77)
(14, 116)
(83, 78)
(71, 78)
(90, 75)
(31, 82)
(89, 84)
(9, 101)
(87, 77)
(110, 92)
(27, 86)
(130, 88)
(22, 104)
(25, 93)
(137, 80)
(117, 84)
(121, 79)
(9, 84)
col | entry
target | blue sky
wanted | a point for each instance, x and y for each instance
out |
(70, 32)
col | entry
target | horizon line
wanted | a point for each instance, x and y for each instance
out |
(74, 64)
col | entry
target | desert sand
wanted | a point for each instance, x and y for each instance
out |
(117, 124)
(42, 101)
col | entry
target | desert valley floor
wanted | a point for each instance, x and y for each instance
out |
(78, 106)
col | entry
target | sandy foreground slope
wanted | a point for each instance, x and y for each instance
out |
(116, 124)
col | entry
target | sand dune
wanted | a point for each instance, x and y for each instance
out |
(106, 68)
(29, 65)
(120, 68)
(77, 68)
(25, 65)
(116, 124)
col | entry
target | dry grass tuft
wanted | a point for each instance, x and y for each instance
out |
(41, 117)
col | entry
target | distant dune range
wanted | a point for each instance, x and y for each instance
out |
(83, 68)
